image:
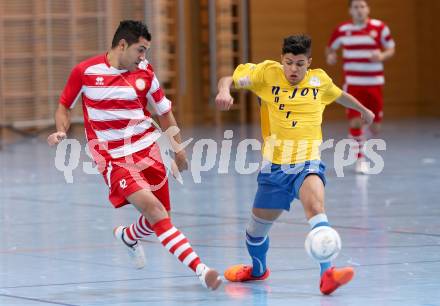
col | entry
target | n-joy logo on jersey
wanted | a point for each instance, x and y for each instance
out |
(99, 81)
(303, 92)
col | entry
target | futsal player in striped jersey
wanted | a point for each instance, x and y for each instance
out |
(116, 88)
(366, 43)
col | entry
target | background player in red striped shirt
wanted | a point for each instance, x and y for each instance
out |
(366, 43)
(116, 88)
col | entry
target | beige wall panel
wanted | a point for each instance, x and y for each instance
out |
(429, 60)
(270, 22)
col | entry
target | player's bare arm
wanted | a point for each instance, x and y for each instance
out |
(166, 121)
(381, 56)
(349, 101)
(224, 100)
(62, 121)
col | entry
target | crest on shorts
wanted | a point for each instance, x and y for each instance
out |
(140, 84)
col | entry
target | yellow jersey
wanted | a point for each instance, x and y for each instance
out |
(291, 115)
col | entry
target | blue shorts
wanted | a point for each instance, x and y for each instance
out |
(278, 185)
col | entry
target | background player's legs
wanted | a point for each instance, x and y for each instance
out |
(356, 133)
(372, 131)
(375, 128)
(375, 104)
(257, 239)
(355, 130)
(170, 237)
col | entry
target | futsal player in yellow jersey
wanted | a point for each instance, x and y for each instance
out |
(293, 98)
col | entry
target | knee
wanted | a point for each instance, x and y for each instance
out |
(375, 129)
(316, 208)
(356, 123)
(154, 212)
(313, 205)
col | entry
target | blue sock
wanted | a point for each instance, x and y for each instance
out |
(317, 221)
(257, 248)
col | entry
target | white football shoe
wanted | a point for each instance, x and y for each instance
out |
(135, 251)
(208, 277)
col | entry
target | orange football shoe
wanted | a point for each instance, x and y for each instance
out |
(333, 278)
(243, 273)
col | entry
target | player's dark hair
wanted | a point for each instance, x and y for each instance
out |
(350, 2)
(298, 44)
(131, 31)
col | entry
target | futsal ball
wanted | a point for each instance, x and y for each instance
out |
(323, 243)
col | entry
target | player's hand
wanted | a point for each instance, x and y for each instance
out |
(367, 116)
(377, 56)
(179, 164)
(56, 138)
(332, 58)
(224, 100)
(181, 161)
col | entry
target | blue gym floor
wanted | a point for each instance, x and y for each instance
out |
(56, 244)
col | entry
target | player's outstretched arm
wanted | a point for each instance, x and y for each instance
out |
(349, 101)
(62, 122)
(224, 100)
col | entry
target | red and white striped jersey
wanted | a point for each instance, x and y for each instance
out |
(358, 42)
(117, 122)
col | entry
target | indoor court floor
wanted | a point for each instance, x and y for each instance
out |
(56, 244)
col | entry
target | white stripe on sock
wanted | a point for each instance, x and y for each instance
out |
(134, 231)
(189, 258)
(317, 219)
(174, 241)
(145, 226)
(167, 234)
(140, 230)
(127, 238)
(182, 249)
(256, 243)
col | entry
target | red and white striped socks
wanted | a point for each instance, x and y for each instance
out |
(176, 243)
(169, 236)
(357, 135)
(138, 230)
